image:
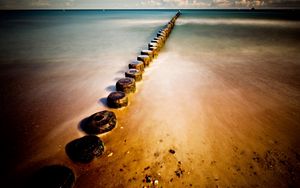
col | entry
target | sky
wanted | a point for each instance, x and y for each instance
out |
(123, 4)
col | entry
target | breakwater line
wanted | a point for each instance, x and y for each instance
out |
(83, 150)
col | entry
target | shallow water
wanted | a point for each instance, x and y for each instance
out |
(224, 93)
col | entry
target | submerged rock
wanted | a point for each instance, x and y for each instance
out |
(117, 99)
(85, 149)
(55, 176)
(126, 85)
(100, 122)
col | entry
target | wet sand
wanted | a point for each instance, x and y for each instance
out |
(226, 126)
(232, 122)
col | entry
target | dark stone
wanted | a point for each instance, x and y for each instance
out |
(148, 52)
(172, 151)
(154, 50)
(148, 179)
(134, 73)
(152, 44)
(158, 42)
(85, 149)
(145, 59)
(139, 65)
(171, 24)
(161, 34)
(179, 172)
(117, 99)
(55, 176)
(162, 39)
(100, 122)
(127, 85)
(164, 31)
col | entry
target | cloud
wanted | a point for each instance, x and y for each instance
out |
(40, 3)
(195, 3)
(282, 3)
(222, 3)
(152, 3)
(32, 4)
(249, 3)
(175, 3)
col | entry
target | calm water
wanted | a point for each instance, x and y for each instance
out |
(56, 67)
(99, 35)
(77, 34)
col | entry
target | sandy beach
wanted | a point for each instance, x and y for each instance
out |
(221, 120)
(227, 127)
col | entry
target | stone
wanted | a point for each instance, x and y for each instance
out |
(127, 85)
(117, 99)
(155, 50)
(145, 59)
(53, 176)
(153, 44)
(135, 74)
(100, 122)
(158, 42)
(148, 52)
(139, 65)
(165, 32)
(161, 34)
(85, 149)
(162, 39)
(148, 179)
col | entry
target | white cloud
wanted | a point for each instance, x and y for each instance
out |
(195, 3)
(249, 3)
(175, 3)
(40, 3)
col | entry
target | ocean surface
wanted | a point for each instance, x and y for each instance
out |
(225, 78)
(98, 35)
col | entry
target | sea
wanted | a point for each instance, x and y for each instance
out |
(99, 35)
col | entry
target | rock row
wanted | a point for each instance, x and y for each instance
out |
(85, 149)
(124, 86)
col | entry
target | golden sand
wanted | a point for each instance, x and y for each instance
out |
(215, 122)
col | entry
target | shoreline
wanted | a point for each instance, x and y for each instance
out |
(216, 141)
